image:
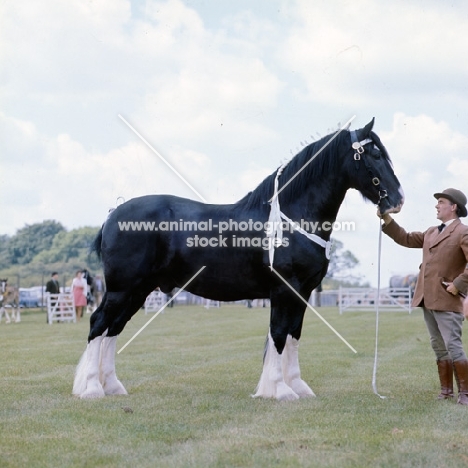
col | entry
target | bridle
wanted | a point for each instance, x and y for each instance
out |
(276, 215)
(358, 147)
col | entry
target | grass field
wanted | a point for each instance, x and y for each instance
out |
(190, 375)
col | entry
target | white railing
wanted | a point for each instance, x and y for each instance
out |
(60, 308)
(154, 301)
(354, 299)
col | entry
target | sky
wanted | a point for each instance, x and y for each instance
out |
(226, 92)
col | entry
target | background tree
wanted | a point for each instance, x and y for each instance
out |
(4, 254)
(31, 240)
(72, 245)
(28, 257)
(340, 269)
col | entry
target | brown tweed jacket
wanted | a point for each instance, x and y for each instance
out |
(445, 258)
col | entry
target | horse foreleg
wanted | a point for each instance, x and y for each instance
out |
(291, 370)
(110, 383)
(272, 384)
(87, 383)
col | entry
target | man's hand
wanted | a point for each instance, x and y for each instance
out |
(465, 308)
(452, 289)
(386, 218)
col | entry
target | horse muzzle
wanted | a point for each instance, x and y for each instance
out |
(395, 209)
(385, 207)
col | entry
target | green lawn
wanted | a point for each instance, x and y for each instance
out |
(190, 375)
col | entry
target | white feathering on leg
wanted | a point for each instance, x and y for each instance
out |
(90, 369)
(272, 384)
(108, 377)
(291, 369)
(79, 384)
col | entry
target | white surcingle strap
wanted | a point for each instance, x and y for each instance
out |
(275, 225)
(313, 237)
(275, 232)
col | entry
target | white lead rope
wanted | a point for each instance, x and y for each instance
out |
(374, 372)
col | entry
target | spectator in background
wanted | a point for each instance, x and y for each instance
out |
(52, 287)
(79, 288)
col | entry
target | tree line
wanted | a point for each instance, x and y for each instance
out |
(28, 257)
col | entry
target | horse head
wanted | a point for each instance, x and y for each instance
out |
(373, 173)
(3, 283)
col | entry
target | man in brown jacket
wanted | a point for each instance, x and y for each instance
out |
(445, 258)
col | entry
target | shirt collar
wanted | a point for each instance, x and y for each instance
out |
(449, 222)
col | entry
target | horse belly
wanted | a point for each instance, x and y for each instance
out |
(228, 275)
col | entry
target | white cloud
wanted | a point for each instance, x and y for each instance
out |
(365, 51)
(58, 178)
(424, 152)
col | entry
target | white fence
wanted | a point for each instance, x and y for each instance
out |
(353, 299)
(154, 302)
(60, 308)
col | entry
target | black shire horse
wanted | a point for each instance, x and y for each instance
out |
(178, 240)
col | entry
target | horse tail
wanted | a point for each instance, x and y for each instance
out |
(96, 244)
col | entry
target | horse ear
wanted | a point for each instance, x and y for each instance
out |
(365, 132)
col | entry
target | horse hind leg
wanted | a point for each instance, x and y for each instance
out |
(87, 383)
(109, 381)
(95, 376)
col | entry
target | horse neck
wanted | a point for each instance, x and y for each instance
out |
(322, 199)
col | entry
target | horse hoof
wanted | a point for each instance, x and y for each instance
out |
(285, 393)
(92, 393)
(116, 388)
(291, 396)
(302, 389)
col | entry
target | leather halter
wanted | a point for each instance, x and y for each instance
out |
(358, 146)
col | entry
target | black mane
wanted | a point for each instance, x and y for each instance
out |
(325, 162)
